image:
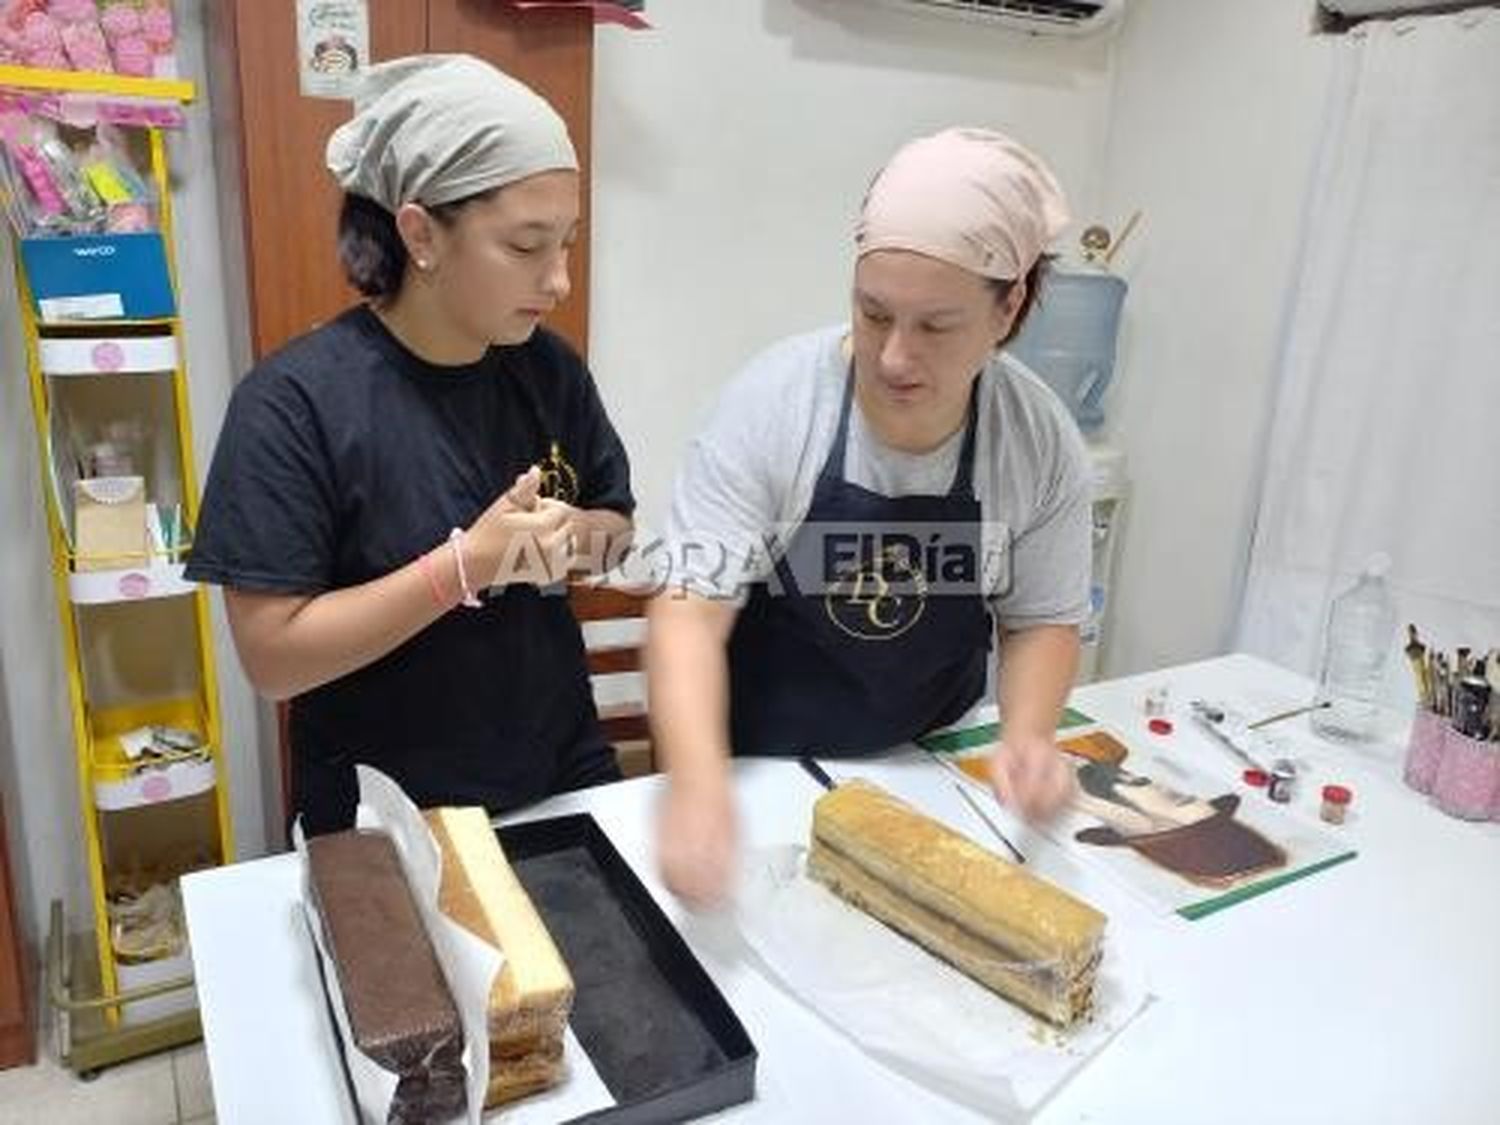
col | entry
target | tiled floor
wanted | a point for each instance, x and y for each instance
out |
(167, 1089)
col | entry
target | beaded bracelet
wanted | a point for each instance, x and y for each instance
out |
(456, 541)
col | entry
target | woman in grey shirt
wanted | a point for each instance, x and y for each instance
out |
(872, 506)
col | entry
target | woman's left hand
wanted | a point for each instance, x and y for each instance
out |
(1032, 776)
(594, 540)
(573, 537)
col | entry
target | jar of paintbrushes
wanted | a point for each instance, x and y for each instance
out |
(1454, 751)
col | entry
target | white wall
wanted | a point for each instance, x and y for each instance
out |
(36, 746)
(732, 146)
(1215, 116)
(36, 749)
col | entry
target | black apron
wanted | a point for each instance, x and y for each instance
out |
(873, 628)
(517, 725)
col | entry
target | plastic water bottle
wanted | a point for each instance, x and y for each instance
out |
(1361, 628)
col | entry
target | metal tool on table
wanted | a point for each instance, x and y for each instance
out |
(1230, 730)
(961, 783)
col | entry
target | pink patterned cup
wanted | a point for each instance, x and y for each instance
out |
(1424, 750)
(1467, 777)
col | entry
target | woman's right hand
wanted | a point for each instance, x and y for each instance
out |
(518, 539)
(697, 840)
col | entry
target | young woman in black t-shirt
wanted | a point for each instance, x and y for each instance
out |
(397, 496)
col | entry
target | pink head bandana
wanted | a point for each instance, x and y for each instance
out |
(970, 197)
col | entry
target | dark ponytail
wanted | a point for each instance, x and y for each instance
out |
(370, 248)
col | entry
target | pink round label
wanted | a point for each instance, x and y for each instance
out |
(108, 356)
(156, 788)
(134, 585)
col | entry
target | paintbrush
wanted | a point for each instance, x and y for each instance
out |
(1416, 656)
(1114, 248)
(1492, 675)
(1292, 714)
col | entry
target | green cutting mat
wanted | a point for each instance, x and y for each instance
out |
(1203, 909)
(951, 741)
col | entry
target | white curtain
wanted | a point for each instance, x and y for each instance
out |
(1386, 430)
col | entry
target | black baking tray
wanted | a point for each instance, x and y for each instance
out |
(660, 1034)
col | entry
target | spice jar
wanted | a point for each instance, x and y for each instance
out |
(1336, 800)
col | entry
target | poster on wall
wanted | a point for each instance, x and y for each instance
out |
(333, 46)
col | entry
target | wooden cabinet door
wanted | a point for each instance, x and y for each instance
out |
(290, 201)
(17, 1044)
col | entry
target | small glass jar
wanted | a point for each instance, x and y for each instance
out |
(1283, 779)
(1336, 800)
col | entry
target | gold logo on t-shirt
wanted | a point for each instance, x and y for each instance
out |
(559, 478)
(880, 599)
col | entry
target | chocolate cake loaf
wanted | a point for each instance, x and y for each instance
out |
(401, 1014)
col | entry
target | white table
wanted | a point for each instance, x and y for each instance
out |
(1369, 992)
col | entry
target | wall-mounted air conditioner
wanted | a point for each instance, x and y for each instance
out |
(1393, 7)
(1039, 17)
(1340, 15)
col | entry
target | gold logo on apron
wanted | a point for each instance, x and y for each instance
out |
(882, 599)
(559, 478)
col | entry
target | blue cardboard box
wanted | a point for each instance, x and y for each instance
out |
(99, 277)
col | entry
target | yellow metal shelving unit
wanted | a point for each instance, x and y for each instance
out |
(110, 1009)
(87, 82)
